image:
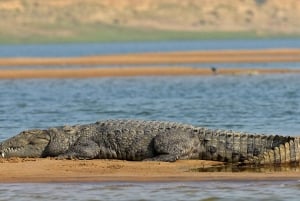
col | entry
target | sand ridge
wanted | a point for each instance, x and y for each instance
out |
(51, 170)
(146, 64)
(185, 57)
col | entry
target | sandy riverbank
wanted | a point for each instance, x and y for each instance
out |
(51, 170)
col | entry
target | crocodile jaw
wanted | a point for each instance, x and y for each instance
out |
(30, 143)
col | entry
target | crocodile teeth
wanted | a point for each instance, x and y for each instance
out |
(12, 149)
(3, 154)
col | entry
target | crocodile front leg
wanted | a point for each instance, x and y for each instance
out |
(82, 149)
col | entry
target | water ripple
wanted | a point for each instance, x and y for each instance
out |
(153, 191)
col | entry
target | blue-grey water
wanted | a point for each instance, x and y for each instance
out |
(256, 104)
(194, 191)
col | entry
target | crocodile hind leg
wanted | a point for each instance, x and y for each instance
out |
(169, 147)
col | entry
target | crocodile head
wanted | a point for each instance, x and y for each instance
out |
(31, 143)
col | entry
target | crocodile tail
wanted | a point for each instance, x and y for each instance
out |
(234, 147)
(284, 153)
(222, 145)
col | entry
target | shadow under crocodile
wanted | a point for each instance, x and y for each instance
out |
(295, 167)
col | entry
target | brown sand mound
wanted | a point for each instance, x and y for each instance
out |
(51, 170)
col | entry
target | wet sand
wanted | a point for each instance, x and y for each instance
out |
(51, 170)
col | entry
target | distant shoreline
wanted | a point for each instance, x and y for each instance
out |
(136, 35)
(35, 21)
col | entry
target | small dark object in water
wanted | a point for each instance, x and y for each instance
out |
(214, 69)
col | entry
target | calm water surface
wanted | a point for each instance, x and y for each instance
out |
(273, 191)
(260, 104)
(82, 49)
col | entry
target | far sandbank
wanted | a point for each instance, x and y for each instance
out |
(217, 56)
(140, 64)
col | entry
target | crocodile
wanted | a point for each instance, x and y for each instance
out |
(138, 140)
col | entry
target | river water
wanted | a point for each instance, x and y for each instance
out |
(84, 49)
(194, 191)
(256, 104)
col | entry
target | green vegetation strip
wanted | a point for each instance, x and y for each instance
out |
(111, 33)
